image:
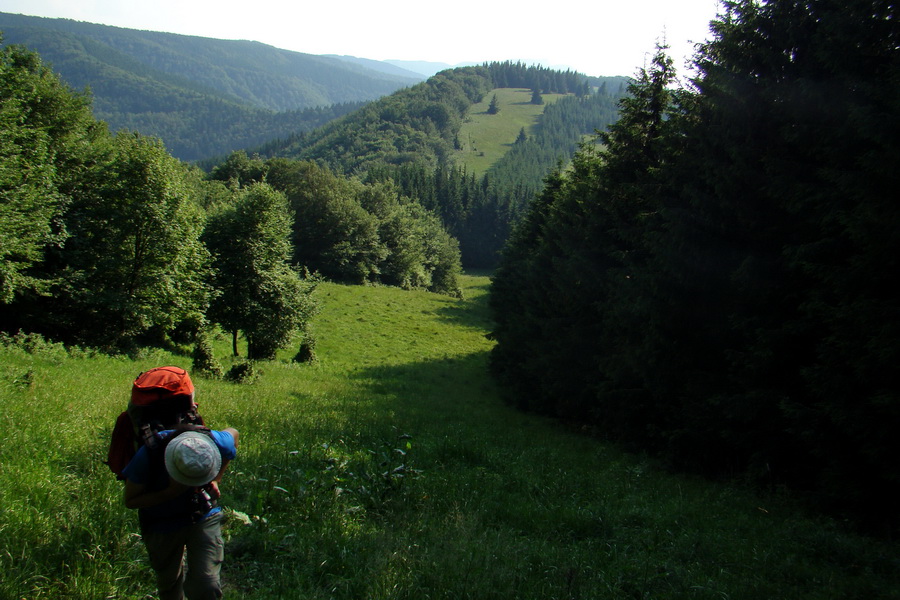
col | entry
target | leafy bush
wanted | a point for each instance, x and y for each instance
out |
(306, 354)
(204, 361)
(242, 372)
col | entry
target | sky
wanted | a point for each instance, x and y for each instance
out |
(599, 37)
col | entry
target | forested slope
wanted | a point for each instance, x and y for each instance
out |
(203, 97)
(412, 137)
(717, 286)
(108, 241)
(415, 125)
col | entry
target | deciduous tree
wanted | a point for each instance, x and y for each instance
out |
(133, 264)
(45, 133)
(259, 294)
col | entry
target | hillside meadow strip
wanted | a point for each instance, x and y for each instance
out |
(392, 468)
(485, 138)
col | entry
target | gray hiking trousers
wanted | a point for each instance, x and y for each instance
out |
(205, 553)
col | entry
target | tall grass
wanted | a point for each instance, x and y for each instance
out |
(392, 469)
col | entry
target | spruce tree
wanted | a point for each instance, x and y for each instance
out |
(577, 260)
(494, 106)
(522, 137)
(791, 190)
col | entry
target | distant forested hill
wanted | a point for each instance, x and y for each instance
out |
(207, 98)
(412, 137)
(421, 124)
(203, 97)
(417, 124)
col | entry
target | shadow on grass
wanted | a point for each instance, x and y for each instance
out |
(471, 312)
(451, 408)
(437, 380)
(433, 394)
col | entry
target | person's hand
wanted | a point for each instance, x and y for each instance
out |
(213, 489)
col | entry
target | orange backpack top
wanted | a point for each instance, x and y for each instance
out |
(161, 384)
(161, 398)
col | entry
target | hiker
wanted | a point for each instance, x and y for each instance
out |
(174, 485)
(175, 489)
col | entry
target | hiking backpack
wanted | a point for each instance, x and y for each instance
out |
(161, 398)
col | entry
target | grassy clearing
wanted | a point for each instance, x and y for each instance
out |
(491, 503)
(485, 138)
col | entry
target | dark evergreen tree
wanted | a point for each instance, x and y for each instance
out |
(791, 189)
(521, 301)
(720, 276)
(581, 279)
(494, 106)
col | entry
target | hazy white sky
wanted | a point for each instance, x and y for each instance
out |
(603, 37)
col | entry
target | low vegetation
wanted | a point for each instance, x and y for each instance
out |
(391, 469)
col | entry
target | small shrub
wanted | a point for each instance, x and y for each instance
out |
(307, 352)
(34, 344)
(377, 481)
(204, 360)
(242, 372)
(22, 379)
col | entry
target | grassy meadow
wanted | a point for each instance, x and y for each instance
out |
(485, 138)
(392, 469)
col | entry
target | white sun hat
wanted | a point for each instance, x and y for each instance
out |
(193, 459)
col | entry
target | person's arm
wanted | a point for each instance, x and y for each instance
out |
(234, 434)
(214, 484)
(137, 496)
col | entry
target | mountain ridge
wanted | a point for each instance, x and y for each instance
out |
(207, 97)
(226, 65)
(387, 66)
(203, 97)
